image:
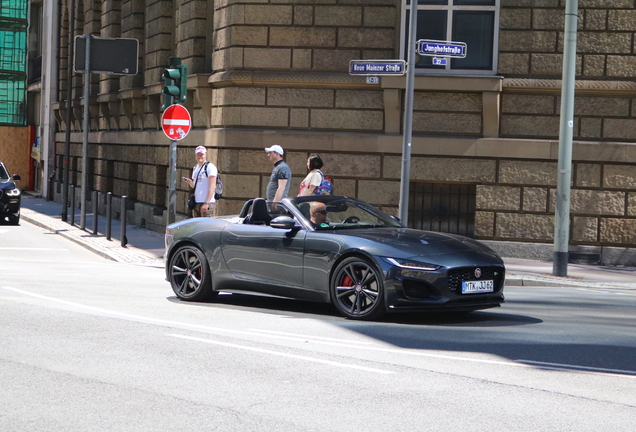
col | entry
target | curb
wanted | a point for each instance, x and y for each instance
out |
(543, 281)
(95, 243)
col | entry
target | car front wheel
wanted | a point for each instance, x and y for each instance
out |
(189, 275)
(357, 289)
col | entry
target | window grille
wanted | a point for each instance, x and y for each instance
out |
(474, 22)
(443, 207)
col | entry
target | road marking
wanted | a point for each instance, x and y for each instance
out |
(605, 291)
(296, 336)
(30, 249)
(196, 327)
(281, 354)
(2, 231)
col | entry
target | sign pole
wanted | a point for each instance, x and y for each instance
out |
(67, 126)
(172, 188)
(408, 119)
(85, 126)
(564, 176)
(176, 123)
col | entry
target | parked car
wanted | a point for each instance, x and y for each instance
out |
(359, 258)
(9, 197)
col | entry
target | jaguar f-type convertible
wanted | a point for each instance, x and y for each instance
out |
(331, 249)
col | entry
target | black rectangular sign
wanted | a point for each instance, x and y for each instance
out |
(108, 55)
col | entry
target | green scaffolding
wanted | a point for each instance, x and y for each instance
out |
(13, 61)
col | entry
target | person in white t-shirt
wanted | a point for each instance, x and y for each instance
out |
(314, 178)
(204, 176)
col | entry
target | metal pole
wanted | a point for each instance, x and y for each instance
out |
(95, 211)
(85, 126)
(172, 187)
(72, 205)
(123, 240)
(562, 215)
(69, 87)
(109, 214)
(408, 118)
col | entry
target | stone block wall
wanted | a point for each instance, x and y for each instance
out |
(596, 117)
(531, 38)
(303, 36)
(521, 203)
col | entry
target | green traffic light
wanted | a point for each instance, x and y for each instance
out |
(174, 74)
(172, 90)
(175, 77)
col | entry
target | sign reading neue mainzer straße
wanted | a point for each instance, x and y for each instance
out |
(377, 67)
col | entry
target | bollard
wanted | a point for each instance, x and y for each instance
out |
(123, 221)
(95, 198)
(72, 205)
(109, 214)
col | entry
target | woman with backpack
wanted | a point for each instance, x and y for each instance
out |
(312, 184)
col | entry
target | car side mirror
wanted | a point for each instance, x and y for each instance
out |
(16, 177)
(283, 222)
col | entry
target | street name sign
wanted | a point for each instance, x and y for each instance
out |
(437, 48)
(176, 122)
(377, 67)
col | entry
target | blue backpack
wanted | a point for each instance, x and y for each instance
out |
(325, 187)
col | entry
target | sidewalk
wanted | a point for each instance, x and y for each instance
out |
(147, 247)
(143, 247)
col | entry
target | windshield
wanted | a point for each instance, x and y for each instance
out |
(333, 212)
(3, 173)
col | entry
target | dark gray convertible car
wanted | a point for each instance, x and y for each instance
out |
(331, 249)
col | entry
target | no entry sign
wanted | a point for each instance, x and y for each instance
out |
(176, 122)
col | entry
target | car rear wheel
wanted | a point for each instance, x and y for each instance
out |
(189, 275)
(357, 289)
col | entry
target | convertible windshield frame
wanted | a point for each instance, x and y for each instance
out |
(342, 213)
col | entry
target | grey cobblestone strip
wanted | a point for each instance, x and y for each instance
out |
(110, 249)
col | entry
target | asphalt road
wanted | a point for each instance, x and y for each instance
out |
(88, 344)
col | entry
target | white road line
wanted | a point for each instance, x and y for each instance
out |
(305, 337)
(601, 291)
(31, 249)
(195, 327)
(281, 354)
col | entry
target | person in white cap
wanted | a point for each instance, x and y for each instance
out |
(203, 181)
(280, 180)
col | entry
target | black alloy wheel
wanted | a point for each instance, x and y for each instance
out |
(190, 275)
(357, 289)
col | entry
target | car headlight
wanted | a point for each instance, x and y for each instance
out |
(412, 265)
(13, 192)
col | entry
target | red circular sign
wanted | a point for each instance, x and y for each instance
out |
(176, 122)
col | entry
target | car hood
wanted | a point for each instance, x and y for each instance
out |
(440, 248)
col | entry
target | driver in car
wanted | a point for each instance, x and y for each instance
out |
(318, 214)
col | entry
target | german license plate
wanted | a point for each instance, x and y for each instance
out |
(470, 287)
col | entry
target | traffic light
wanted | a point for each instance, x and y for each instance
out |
(176, 83)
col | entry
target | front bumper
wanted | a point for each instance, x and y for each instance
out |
(10, 205)
(441, 290)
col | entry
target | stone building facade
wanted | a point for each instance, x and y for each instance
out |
(266, 72)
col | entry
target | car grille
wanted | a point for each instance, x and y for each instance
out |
(458, 275)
